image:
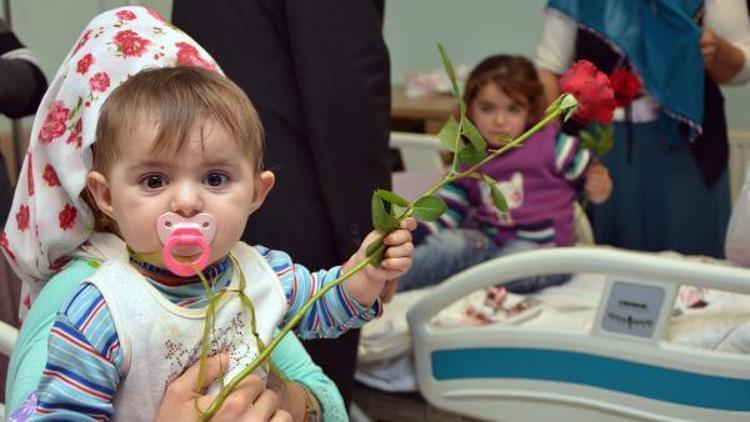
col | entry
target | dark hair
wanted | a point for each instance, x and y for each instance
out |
(514, 75)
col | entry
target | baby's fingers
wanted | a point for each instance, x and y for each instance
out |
(400, 250)
(396, 267)
(409, 223)
(397, 237)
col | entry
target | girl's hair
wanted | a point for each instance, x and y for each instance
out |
(514, 75)
(176, 100)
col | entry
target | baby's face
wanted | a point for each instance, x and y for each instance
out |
(212, 176)
(497, 115)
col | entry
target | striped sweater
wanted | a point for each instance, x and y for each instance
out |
(85, 362)
(540, 182)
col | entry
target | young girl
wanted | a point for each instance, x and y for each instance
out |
(540, 181)
(174, 146)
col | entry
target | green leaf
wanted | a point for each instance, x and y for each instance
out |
(381, 219)
(568, 105)
(554, 105)
(472, 133)
(471, 155)
(587, 140)
(449, 134)
(429, 208)
(497, 196)
(391, 197)
(397, 210)
(449, 70)
(376, 248)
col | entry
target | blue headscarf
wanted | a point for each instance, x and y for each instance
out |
(662, 42)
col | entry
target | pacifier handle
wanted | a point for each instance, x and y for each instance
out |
(183, 269)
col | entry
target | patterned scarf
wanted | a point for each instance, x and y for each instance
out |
(49, 220)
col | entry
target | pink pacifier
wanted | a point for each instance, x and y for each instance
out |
(186, 237)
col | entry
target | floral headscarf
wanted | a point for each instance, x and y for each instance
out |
(48, 219)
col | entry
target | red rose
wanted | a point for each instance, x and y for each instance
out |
(592, 90)
(30, 176)
(130, 44)
(4, 244)
(84, 63)
(125, 15)
(75, 136)
(84, 38)
(626, 85)
(67, 217)
(99, 82)
(54, 122)
(188, 55)
(50, 176)
(22, 217)
(155, 14)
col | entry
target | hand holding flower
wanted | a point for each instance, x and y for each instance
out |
(373, 281)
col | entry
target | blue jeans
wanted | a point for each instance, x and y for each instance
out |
(450, 251)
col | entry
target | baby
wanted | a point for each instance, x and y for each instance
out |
(178, 161)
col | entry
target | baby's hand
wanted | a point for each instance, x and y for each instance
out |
(373, 282)
(598, 184)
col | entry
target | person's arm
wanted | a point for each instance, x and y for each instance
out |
(571, 161)
(555, 51)
(83, 361)
(22, 83)
(301, 372)
(725, 42)
(335, 313)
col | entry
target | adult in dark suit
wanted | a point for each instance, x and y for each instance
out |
(318, 73)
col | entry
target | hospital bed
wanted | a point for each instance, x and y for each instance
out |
(608, 345)
(618, 368)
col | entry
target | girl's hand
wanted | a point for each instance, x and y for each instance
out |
(373, 282)
(598, 184)
(251, 400)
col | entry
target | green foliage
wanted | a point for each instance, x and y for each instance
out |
(471, 155)
(567, 104)
(376, 249)
(391, 197)
(497, 197)
(429, 208)
(449, 134)
(381, 219)
(449, 70)
(472, 134)
(600, 141)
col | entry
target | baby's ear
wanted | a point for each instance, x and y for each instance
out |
(99, 190)
(263, 184)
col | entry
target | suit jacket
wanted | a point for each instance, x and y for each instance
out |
(318, 73)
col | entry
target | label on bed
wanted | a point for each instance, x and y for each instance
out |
(633, 309)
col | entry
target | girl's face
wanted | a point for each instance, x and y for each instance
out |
(211, 174)
(498, 116)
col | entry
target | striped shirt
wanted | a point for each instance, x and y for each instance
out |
(540, 183)
(85, 362)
